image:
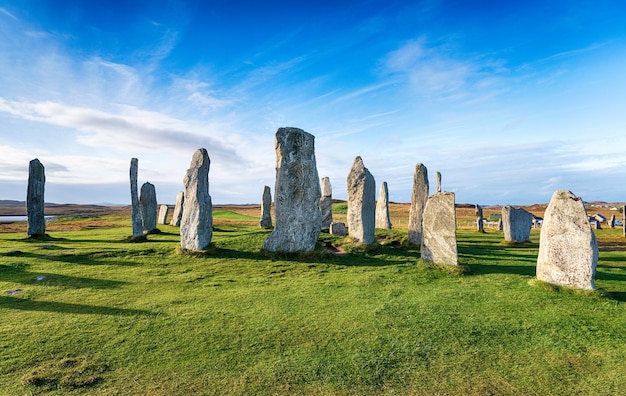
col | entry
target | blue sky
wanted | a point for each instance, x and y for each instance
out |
(510, 101)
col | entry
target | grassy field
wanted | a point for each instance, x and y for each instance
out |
(85, 312)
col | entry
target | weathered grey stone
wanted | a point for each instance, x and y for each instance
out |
(326, 203)
(439, 230)
(624, 220)
(361, 203)
(196, 225)
(438, 178)
(382, 208)
(338, 228)
(296, 195)
(163, 212)
(516, 224)
(266, 208)
(612, 221)
(35, 199)
(479, 218)
(178, 209)
(568, 249)
(598, 225)
(137, 223)
(419, 196)
(148, 205)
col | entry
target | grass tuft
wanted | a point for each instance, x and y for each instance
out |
(66, 373)
(137, 239)
(209, 251)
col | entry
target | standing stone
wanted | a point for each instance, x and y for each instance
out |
(196, 225)
(361, 203)
(438, 178)
(326, 203)
(624, 220)
(612, 221)
(568, 249)
(134, 198)
(148, 205)
(439, 230)
(178, 209)
(382, 208)
(479, 218)
(35, 199)
(516, 224)
(163, 212)
(338, 229)
(419, 197)
(296, 195)
(266, 207)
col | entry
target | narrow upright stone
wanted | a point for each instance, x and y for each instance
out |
(479, 218)
(419, 197)
(134, 198)
(516, 224)
(568, 249)
(296, 195)
(361, 203)
(382, 208)
(326, 203)
(35, 199)
(148, 205)
(163, 212)
(438, 178)
(178, 209)
(612, 221)
(196, 225)
(266, 207)
(439, 230)
(624, 220)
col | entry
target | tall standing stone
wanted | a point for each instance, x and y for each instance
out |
(296, 195)
(624, 220)
(568, 249)
(382, 208)
(516, 224)
(439, 230)
(178, 209)
(266, 208)
(163, 212)
(361, 203)
(196, 225)
(35, 199)
(326, 203)
(419, 196)
(438, 179)
(134, 198)
(148, 205)
(479, 218)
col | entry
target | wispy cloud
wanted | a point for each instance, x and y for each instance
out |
(7, 13)
(437, 74)
(131, 127)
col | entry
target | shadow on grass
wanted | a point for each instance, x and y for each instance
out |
(618, 296)
(51, 306)
(19, 274)
(482, 269)
(91, 258)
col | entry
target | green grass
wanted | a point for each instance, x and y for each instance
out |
(230, 215)
(111, 317)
